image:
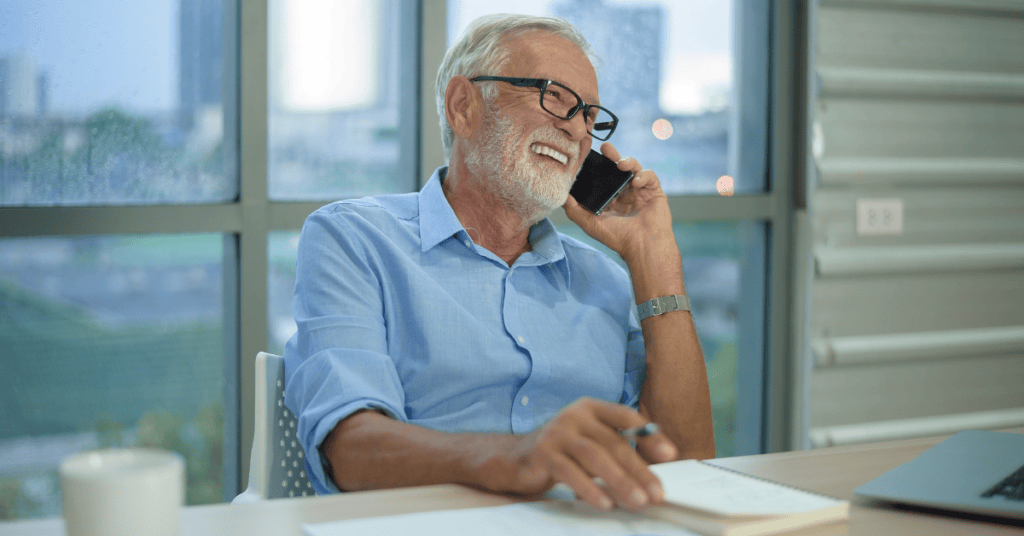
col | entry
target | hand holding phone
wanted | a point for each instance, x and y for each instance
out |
(599, 182)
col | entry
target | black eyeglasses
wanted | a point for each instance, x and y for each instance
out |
(564, 103)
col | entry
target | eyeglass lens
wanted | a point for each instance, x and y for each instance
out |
(560, 101)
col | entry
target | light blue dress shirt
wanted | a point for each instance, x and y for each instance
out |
(398, 310)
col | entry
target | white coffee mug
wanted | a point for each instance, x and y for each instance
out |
(115, 492)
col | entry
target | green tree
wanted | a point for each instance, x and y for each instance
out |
(204, 462)
(14, 502)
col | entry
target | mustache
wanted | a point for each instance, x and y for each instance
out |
(550, 135)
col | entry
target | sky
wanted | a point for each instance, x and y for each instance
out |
(97, 52)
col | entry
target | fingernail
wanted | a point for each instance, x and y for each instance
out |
(657, 492)
(605, 503)
(667, 451)
(639, 497)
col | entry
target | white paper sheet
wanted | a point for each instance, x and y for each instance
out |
(536, 519)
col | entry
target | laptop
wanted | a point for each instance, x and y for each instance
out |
(974, 471)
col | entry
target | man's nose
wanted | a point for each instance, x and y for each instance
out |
(575, 126)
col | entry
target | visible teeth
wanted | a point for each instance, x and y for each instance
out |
(547, 151)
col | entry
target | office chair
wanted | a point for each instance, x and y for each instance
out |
(277, 467)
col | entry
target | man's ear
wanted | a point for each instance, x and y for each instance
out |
(463, 105)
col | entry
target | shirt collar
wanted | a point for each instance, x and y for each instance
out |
(437, 219)
(547, 243)
(438, 223)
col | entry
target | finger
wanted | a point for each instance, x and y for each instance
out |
(569, 472)
(616, 416)
(610, 151)
(597, 461)
(643, 178)
(657, 448)
(627, 163)
(574, 210)
(629, 460)
(579, 215)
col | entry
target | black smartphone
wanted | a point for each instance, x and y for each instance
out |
(599, 182)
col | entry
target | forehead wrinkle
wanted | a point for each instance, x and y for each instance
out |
(528, 56)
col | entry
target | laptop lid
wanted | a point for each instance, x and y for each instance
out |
(955, 474)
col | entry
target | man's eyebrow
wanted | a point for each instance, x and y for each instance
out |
(597, 100)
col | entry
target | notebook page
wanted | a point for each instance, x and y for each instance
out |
(697, 485)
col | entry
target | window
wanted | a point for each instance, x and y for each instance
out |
(116, 287)
(105, 103)
(342, 99)
(90, 362)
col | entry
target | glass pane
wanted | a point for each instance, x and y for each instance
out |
(667, 71)
(722, 266)
(282, 250)
(109, 341)
(110, 102)
(336, 121)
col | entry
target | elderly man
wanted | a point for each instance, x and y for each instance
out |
(454, 336)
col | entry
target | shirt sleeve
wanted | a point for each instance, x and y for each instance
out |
(636, 363)
(337, 362)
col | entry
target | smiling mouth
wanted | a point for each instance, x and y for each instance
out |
(547, 151)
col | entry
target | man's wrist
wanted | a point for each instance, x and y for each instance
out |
(661, 305)
(324, 450)
(656, 270)
(650, 249)
(485, 461)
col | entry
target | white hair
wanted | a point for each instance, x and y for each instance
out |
(481, 52)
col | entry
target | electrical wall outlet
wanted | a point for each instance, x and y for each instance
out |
(879, 217)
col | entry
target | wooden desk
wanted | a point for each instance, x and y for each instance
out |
(837, 471)
(833, 471)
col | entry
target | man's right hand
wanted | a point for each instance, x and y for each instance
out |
(582, 443)
(578, 445)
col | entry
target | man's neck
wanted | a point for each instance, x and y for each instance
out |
(489, 222)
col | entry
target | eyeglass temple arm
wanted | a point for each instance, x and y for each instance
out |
(521, 82)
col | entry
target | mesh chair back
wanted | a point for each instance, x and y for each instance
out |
(287, 460)
(277, 466)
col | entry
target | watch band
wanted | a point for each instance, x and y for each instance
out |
(662, 305)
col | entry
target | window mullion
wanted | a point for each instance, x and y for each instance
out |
(252, 254)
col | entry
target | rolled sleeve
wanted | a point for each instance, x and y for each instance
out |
(337, 363)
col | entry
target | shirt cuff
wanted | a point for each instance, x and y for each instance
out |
(317, 465)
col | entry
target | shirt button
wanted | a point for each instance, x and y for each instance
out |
(469, 244)
(521, 339)
(525, 400)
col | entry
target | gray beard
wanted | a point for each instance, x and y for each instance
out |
(504, 165)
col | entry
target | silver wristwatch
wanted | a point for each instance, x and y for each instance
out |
(662, 305)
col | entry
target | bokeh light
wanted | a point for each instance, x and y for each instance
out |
(724, 185)
(662, 129)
